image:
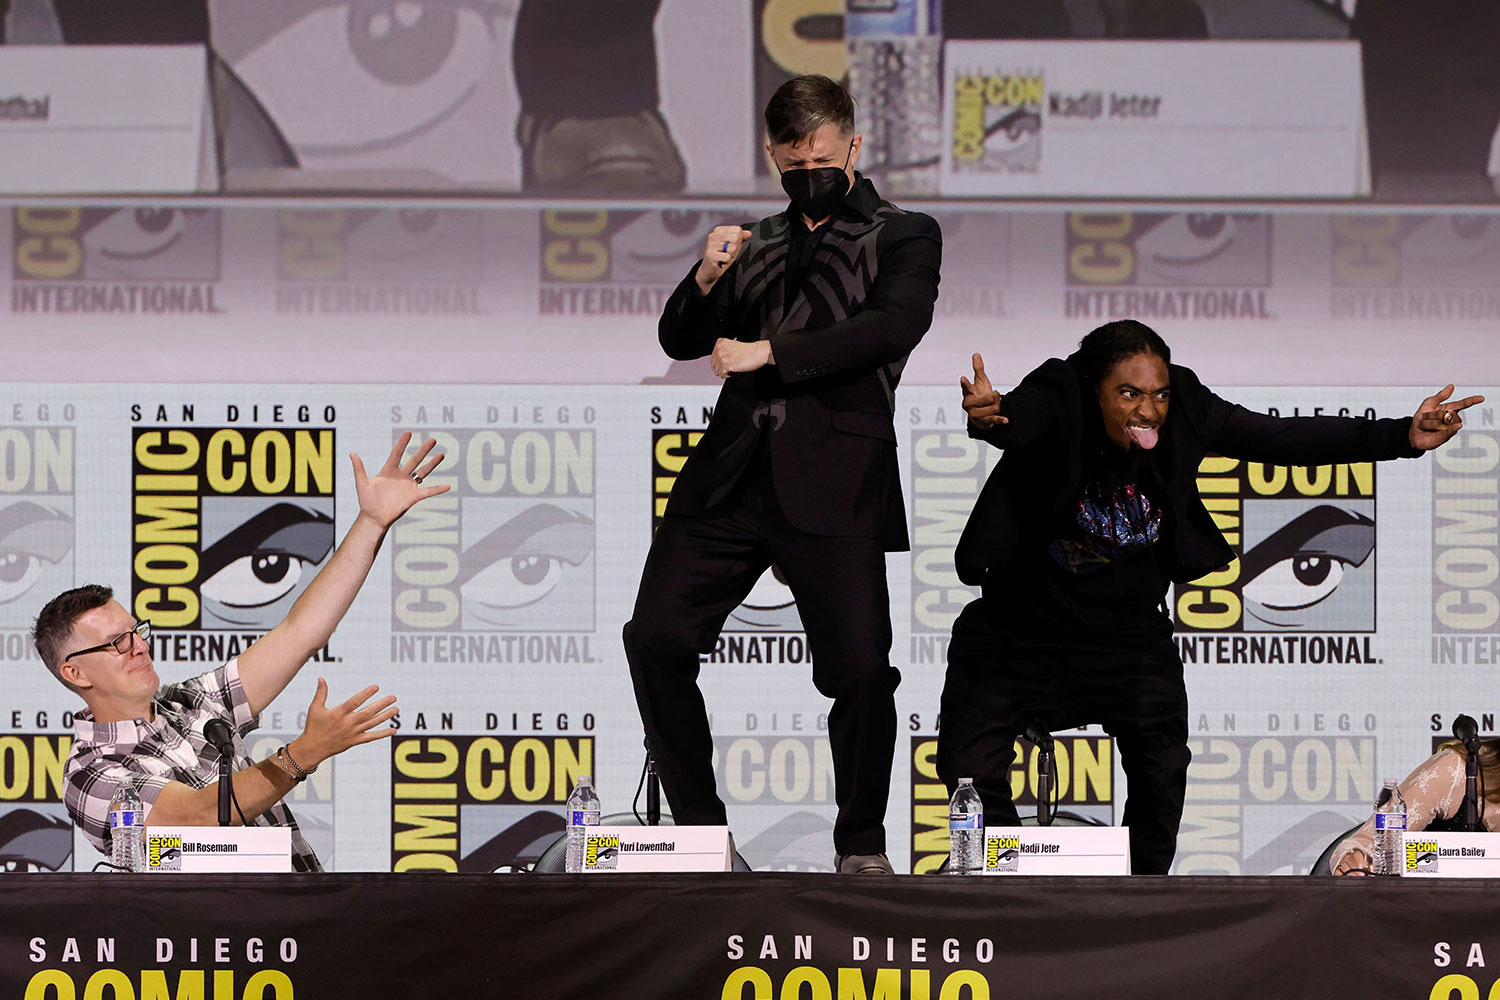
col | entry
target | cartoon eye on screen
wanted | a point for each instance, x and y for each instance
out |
(254, 571)
(152, 242)
(530, 570)
(416, 244)
(1193, 248)
(419, 61)
(33, 542)
(658, 246)
(1304, 574)
(1461, 250)
(32, 841)
(769, 604)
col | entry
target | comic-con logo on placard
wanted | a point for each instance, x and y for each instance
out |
(765, 627)
(36, 833)
(501, 568)
(1301, 588)
(231, 521)
(1416, 268)
(997, 121)
(476, 803)
(1465, 545)
(595, 262)
(1154, 266)
(37, 507)
(1084, 770)
(379, 262)
(116, 261)
(1422, 856)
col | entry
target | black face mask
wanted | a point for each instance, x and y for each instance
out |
(817, 191)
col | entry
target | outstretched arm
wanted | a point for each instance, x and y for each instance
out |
(329, 731)
(270, 664)
(1437, 420)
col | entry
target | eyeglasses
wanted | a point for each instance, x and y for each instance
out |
(120, 643)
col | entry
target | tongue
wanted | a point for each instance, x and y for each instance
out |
(1144, 437)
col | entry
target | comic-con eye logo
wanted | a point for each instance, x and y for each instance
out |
(1465, 546)
(1306, 544)
(36, 833)
(997, 122)
(115, 260)
(1417, 267)
(602, 263)
(478, 803)
(230, 524)
(336, 261)
(769, 606)
(510, 548)
(36, 518)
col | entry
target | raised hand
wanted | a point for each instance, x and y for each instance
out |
(1437, 420)
(981, 401)
(331, 731)
(723, 246)
(393, 490)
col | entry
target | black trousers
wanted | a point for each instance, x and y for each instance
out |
(1131, 685)
(698, 570)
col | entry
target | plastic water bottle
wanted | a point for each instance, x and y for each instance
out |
(966, 830)
(583, 811)
(127, 830)
(1390, 827)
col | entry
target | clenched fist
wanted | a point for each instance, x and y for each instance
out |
(723, 246)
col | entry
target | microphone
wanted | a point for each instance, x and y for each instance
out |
(1466, 731)
(1035, 732)
(221, 738)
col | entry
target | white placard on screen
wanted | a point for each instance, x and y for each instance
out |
(1154, 119)
(204, 849)
(1427, 854)
(106, 119)
(1056, 850)
(657, 849)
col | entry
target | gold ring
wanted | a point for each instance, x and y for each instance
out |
(1447, 416)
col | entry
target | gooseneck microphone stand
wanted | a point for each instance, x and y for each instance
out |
(1466, 731)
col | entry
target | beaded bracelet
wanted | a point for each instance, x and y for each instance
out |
(304, 771)
(290, 766)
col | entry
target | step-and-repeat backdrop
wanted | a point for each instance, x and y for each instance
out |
(246, 352)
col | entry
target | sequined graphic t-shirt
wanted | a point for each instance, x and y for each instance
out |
(1102, 571)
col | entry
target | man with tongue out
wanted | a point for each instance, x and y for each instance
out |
(1090, 514)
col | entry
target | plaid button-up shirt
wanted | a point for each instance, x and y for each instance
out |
(168, 748)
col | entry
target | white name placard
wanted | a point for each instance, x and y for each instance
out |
(1154, 119)
(77, 119)
(1427, 854)
(204, 849)
(657, 849)
(1056, 850)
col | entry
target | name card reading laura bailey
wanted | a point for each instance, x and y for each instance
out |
(1056, 850)
(656, 849)
(1171, 119)
(1433, 854)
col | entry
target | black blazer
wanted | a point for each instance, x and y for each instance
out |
(839, 347)
(1035, 486)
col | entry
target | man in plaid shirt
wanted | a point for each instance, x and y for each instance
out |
(138, 731)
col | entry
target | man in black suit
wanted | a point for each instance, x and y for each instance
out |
(808, 317)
